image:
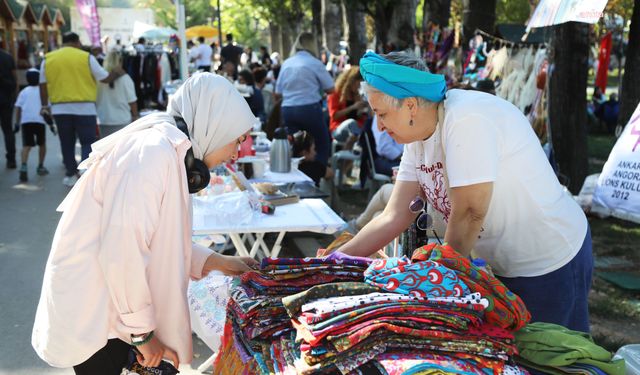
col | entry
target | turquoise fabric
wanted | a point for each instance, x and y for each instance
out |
(401, 81)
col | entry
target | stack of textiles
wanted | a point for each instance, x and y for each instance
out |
(424, 318)
(436, 314)
(548, 348)
(258, 326)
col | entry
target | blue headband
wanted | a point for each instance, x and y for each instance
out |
(401, 81)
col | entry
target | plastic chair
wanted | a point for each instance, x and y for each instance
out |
(337, 156)
(377, 179)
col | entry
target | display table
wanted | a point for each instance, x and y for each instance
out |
(295, 175)
(308, 215)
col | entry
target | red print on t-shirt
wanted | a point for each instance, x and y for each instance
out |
(436, 192)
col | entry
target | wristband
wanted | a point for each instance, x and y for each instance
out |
(137, 340)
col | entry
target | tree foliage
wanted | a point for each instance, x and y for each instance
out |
(512, 11)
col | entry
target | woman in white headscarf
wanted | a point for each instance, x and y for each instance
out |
(122, 255)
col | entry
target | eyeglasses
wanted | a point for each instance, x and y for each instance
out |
(425, 221)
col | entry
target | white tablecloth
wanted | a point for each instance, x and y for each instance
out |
(308, 215)
(295, 175)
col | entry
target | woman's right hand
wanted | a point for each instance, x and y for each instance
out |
(152, 353)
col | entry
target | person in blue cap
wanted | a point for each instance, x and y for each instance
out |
(475, 159)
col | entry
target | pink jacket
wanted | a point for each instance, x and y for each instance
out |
(122, 254)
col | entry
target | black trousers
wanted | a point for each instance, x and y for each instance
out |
(6, 116)
(110, 360)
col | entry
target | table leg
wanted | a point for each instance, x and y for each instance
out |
(239, 244)
(278, 245)
(257, 244)
(206, 364)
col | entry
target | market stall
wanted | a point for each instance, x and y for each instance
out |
(28, 31)
(436, 313)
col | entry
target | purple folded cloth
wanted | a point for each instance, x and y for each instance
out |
(333, 258)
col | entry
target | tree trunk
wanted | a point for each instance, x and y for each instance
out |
(356, 31)
(287, 37)
(568, 100)
(437, 12)
(402, 24)
(382, 18)
(331, 25)
(316, 22)
(276, 37)
(630, 90)
(477, 14)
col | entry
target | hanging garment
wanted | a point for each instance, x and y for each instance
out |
(498, 64)
(603, 62)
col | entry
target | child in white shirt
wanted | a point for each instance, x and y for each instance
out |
(32, 123)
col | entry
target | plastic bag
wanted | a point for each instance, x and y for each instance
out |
(230, 209)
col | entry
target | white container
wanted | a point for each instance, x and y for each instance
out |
(259, 168)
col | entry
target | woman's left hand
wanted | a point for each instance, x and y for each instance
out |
(229, 265)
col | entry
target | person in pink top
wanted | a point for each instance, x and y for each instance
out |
(122, 255)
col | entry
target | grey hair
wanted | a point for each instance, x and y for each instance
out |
(401, 58)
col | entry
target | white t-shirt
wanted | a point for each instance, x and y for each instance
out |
(202, 53)
(80, 109)
(113, 103)
(29, 103)
(532, 226)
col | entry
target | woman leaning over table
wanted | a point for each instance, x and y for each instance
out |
(122, 255)
(476, 160)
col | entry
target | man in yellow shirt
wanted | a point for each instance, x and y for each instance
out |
(68, 79)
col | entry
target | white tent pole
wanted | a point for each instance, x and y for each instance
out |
(184, 68)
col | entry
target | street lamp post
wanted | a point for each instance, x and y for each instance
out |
(184, 68)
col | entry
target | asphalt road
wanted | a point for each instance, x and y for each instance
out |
(28, 220)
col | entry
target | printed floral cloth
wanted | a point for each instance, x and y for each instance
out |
(208, 299)
(505, 309)
(422, 279)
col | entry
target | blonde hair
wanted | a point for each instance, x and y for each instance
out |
(306, 42)
(112, 61)
(348, 80)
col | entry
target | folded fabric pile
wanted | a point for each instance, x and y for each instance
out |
(257, 325)
(505, 310)
(554, 349)
(435, 314)
(423, 317)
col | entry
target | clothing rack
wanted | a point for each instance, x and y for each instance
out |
(509, 43)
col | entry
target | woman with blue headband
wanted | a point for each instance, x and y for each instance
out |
(475, 159)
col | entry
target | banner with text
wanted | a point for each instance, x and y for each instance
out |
(89, 14)
(555, 12)
(618, 188)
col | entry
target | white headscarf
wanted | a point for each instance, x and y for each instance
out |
(213, 110)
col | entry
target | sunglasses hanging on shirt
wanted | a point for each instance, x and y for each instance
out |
(424, 221)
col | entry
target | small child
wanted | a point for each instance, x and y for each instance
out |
(303, 145)
(33, 124)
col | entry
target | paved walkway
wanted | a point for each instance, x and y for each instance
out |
(27, 223)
